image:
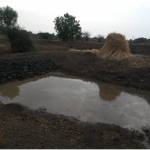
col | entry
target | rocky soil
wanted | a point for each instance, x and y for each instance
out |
(22, 68)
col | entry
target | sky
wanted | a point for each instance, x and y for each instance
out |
(128, 17)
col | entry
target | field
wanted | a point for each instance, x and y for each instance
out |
(23, 128)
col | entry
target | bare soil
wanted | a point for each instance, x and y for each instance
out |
(24, 128)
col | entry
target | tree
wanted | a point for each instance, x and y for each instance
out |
(87, 36)
(3, 30)
(100, 38)
(30, 34)
(44, 35)
(8, 17)
(53, 35)
(140, 40)
(78, 36)
(67, 27)
(19, 38)
(130, 41)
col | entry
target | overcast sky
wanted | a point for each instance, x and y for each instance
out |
(129, 17)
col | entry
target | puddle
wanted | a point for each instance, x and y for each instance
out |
(80, 98)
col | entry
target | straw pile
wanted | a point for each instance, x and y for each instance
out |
(115, 47)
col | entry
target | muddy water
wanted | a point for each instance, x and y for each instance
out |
(86, 100)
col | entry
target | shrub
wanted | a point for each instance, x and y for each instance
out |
(140, 40)
(20, 40)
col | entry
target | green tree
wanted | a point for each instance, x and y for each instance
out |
(78, 36)
(44, 35)
(67, 27)
(53, 35)
(19, 38)
(30, 34)
(8, 17)
(141, 40)
(3, 30)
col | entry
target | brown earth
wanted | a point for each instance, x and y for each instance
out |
(23, 128)
(143, 49)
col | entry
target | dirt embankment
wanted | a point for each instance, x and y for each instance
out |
(13, 68)
(133, 72)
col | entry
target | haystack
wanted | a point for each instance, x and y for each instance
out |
(115, 47)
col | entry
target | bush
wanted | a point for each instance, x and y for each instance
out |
(3, 30)
(44, 35)
(20, 40)
(140, 40)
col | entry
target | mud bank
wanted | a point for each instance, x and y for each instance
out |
(24, 67)
(133, 72)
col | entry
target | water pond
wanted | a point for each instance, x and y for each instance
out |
(86, 100)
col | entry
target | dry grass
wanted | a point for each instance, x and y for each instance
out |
(115, 47)
(75, 50)
(94, 51)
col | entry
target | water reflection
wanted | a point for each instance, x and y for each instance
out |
(108, 92)
(11, 90)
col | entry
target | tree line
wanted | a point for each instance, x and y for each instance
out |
(66, 27)
(139, 40)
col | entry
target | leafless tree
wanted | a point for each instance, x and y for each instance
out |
(87, 35)
(100, 38)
